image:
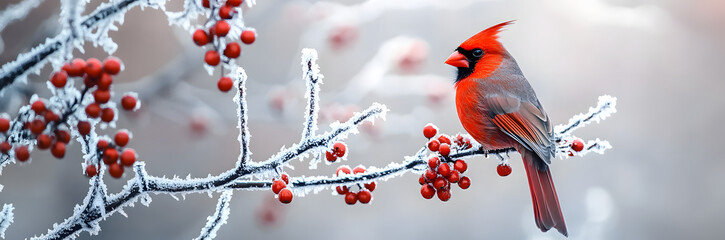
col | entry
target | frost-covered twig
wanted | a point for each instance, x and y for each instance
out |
(37, 57)
(6, 218)
(15, 12)
(221, 214)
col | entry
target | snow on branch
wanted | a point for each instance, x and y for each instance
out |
(93, 27)
(6, 218)
(214, 222)
(15, 12)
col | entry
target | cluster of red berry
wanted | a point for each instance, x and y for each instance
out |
(220, 30)
(50, 128)
(109, 152)
(440, 174)
(338, 150)
(95, 75)
(279, 187)
(364, 193)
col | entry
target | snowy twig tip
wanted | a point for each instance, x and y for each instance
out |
(6, 218)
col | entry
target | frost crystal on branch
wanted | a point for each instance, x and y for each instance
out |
(219, 218)
(6, 218)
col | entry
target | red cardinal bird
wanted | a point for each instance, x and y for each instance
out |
(498, 107)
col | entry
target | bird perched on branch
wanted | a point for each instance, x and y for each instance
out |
(499, 109)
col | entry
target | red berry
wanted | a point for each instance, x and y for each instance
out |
(248, 36)
(433, 162)
(90, 81)
(277, 186)
(330, 156)
(285, 178)
(93, 110)
(58, 150)
(110, 155)
(430, 175)
(50, 116)
(121, 138)
(422, 179)
(200, 37)
(94, 68)
(444, 139)
(226, 12)
(577, 145)
(37, 126)
(105, 81)
(433, 145)
(339, 149)
(427, 191)
(464, 183)
(341, 190)
(128, 102)
(350, 198)
(440, 183)
(21, 153)
(59, 79)
(221, 28)
(285, 196)
(232, 50)
(63, 136)
(430, 130)
(38, 106)
(468, 144)
(116, 170)
(128, 157)
(112, 65)
(444, 195)
(571, 154)
(343, 170)
(444, 170)
(370, 186)
(234, 3)
(91, 170)
(364, 196)
(359, 170)
(4, 124)
(460, 166)
(212, 58)
(444, 149)
(107, 115)
(459, 140)
(503, 170)
(205, 3)
(102, 144)
(5, 147)
(454, 177)
(76, 68)
(43, 141)
(101, 96)
(225, 84)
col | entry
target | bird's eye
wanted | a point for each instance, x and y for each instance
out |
(477, 52)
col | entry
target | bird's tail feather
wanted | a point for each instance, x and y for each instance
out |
(547, 212)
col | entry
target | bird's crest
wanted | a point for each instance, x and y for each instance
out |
(485, 39)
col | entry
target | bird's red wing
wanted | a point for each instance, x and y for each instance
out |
(524, 122)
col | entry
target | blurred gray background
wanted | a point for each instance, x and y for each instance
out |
(663, 60)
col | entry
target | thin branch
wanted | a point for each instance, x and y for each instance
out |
(214, 222)
(243, 138)
(39, 54)
(313, 78)
(6, 218)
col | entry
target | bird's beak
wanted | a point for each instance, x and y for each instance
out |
(457, 60)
